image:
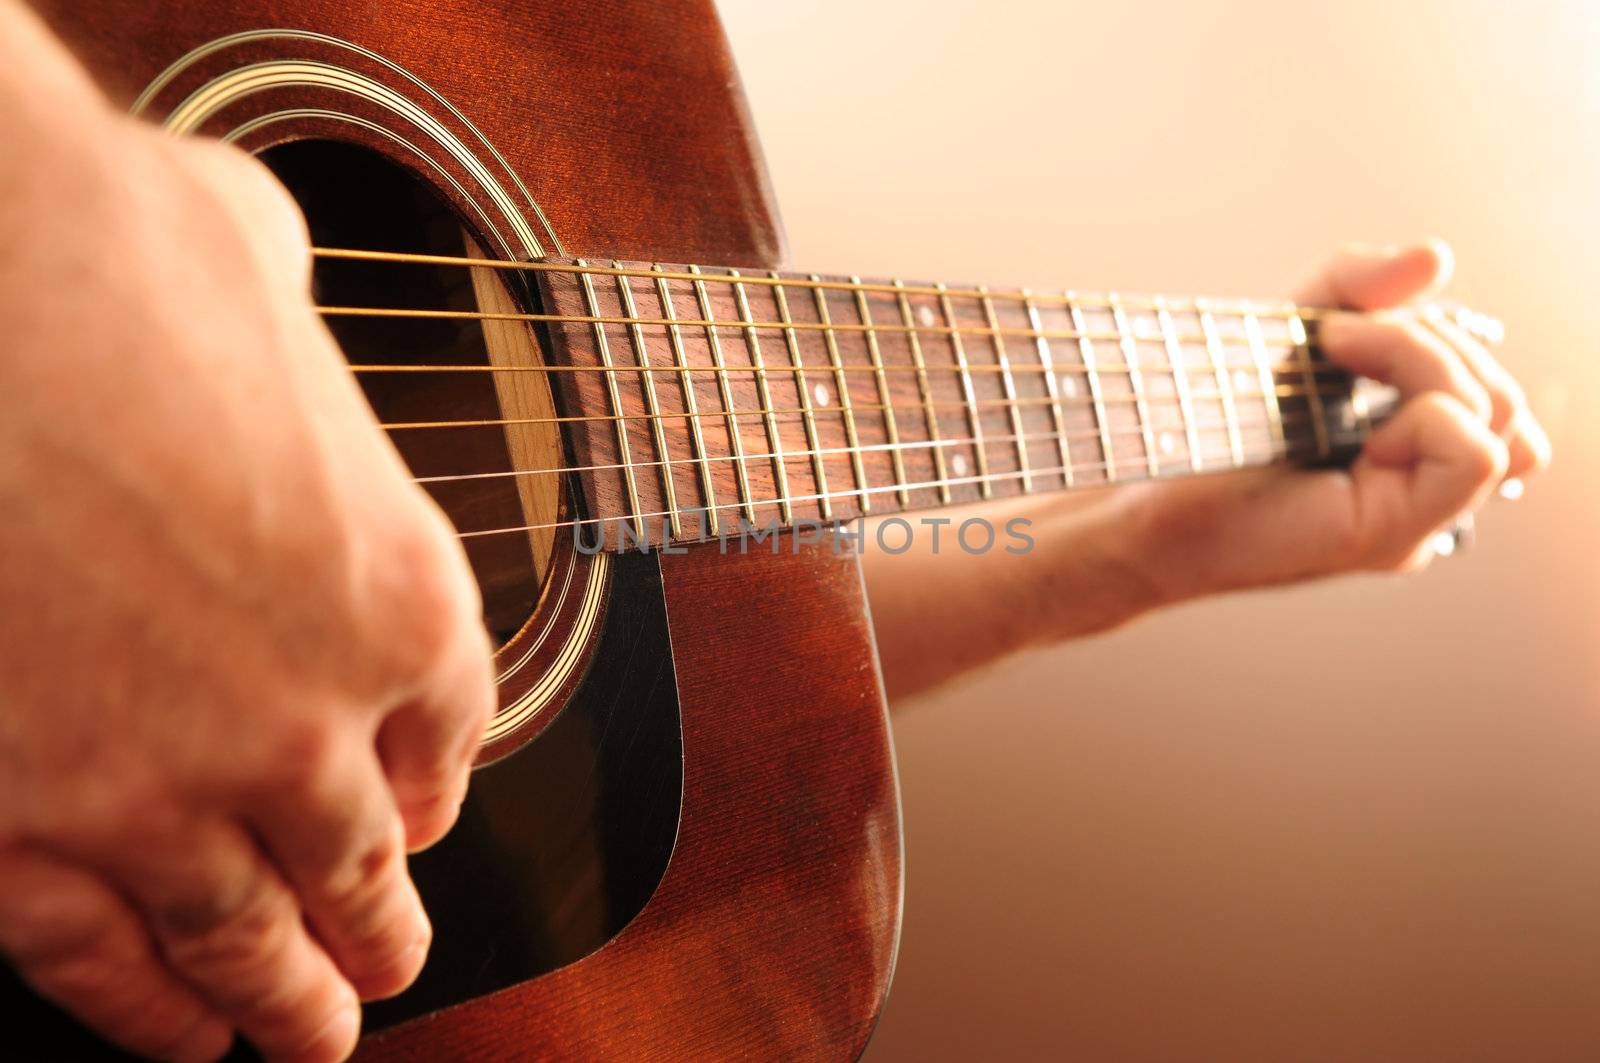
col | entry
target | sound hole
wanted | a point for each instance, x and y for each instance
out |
(355, 198)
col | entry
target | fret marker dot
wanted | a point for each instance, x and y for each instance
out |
(925, 316)
(958, 464)
(1145, 329)
(1241, 380)
(1167, 443)
(821, 393)
(1069, 385)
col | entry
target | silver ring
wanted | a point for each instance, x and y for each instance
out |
(1457, 537)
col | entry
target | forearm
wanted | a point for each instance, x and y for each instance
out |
(940, 614)
(59, 139)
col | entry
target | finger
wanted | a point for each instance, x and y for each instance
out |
(1375, 278)
(332, 828)
(427, 745)
(268, 215)
(228, 925)
(1525, 438)
(1529, 445)
(1505, 394)
(79, 945)
(1432, 462)
(1401, 351)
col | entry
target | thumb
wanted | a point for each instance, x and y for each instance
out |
(1436, 459)
(1374, 278)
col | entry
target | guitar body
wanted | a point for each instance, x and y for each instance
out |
(685, 840)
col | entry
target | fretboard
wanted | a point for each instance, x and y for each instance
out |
(705, 398)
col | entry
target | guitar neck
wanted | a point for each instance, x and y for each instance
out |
(710, 398)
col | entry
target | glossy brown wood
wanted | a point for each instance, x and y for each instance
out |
(773, 931)
(624, 117)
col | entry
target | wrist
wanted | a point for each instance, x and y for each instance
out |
(1094, 572)
(1135, 552)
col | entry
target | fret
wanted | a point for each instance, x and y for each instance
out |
(1010, 386)
(741, 473)
(808, 413)
(696, 436)
(603, 348)
(797, 452)
(848, 412)
(648, 383)
(1180, 382)
(1047, 363)
(1308, 373)
(780, 475)
(1096, 395)
(885, 398)
(1269, 385)
(924, 391)
(960, 351)
(1219, 367)
(1130, 358)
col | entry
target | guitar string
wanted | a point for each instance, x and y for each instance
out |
(1272, 452)
(1324, 368)
(415, 313)
(904, 445)
(1088, 300)
(790, 326)
(744, 322)
(1282, 391)
(1481, 326)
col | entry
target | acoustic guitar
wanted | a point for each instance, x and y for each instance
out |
(547, 246)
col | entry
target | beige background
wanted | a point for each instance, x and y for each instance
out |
(1354, 821)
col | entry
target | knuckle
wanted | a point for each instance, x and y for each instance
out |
(1503, 406)
(1416, 559)
(439, 600)
(1499, 460)
(1399, 554)
(227, 930)
(357, 885)
(43, 925)
(132, 1005)
(248, 178)
(1420, 346)
(1487, 459)
(86, 975)
(1538, 445)
(431, 779)
(1477, 398)
(287, 1021)
(1397, 333)
(302, 755)
(267, 215)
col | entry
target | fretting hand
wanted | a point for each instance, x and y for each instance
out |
(1464, 426)
(1104, 558)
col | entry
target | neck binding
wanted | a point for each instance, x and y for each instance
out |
(769, 399)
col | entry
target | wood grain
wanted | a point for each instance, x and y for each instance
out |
(773, 933)
(882, 401)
